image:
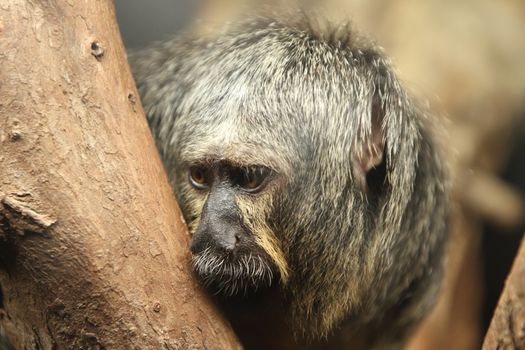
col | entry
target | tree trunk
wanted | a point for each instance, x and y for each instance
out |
(507, 328)
(93, 248)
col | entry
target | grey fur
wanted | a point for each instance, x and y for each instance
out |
(300, 100)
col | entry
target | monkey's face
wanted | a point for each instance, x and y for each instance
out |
(226, 252)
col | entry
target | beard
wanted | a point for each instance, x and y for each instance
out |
(232, 274)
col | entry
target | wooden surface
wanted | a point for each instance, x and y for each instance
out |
(93, 248)
(507, 328)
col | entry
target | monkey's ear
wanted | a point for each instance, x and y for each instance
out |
(369, 153)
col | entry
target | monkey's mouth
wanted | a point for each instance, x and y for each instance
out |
(231, 274)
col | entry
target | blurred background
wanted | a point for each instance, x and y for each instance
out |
(142, 22)
(467, 58)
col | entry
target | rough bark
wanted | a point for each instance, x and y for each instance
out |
(93, 248)
(507, 328)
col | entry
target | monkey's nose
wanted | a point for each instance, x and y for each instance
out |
(224, 239)
(227, 241)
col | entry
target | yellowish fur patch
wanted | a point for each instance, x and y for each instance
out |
(255, 211)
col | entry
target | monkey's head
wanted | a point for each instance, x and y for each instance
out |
(299, 160)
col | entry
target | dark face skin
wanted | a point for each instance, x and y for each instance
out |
(225, 254)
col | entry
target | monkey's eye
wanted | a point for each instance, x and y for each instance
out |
(198, 178)
(251, 179)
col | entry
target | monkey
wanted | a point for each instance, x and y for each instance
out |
(313, 189)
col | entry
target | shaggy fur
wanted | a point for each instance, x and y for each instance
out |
(298, 98)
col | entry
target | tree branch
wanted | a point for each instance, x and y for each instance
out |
(507, 328)
(93, 248)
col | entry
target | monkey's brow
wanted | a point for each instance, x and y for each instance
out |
(222, 162)
(237, 157)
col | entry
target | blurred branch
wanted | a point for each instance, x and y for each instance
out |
(493, 199)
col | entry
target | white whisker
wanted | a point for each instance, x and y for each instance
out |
(230, 276)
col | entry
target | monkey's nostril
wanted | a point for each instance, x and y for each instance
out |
(226, 239)
(194, 247)
(198, 242)
(228, 243)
